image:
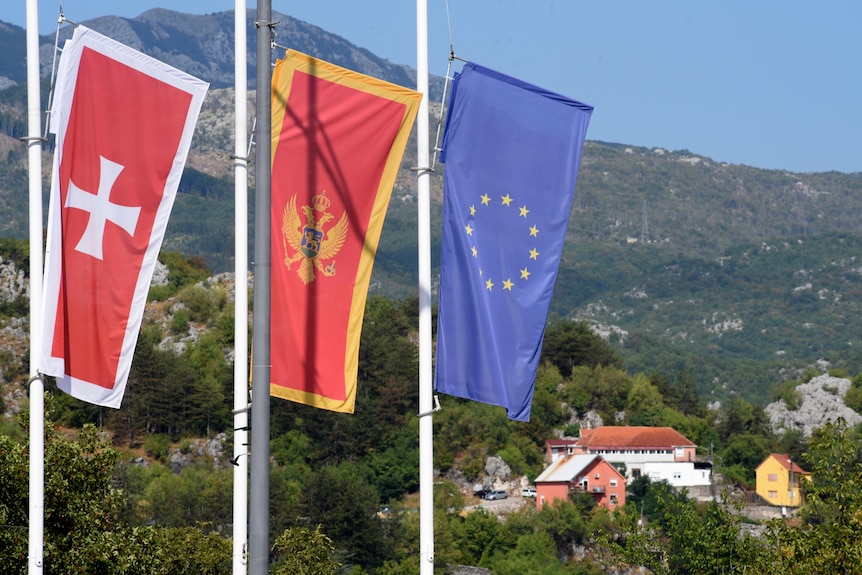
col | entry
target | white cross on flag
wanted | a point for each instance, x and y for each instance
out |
(123, 123)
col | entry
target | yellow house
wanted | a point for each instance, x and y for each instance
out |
(779, 479)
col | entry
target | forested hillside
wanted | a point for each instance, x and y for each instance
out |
(164, 475)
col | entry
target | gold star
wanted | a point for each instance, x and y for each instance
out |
(525, 274)
(507, 284)
(475, 251)
(524, 211)
(473, 210)
(469, 229)
(534, 231)
(534, 254)
(507, 199)
(489, 284)
(485, 199)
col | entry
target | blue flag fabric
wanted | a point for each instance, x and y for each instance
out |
(512, 152)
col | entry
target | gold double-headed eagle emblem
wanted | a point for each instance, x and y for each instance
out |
(310, 243)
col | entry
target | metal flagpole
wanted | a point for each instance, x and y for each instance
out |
(426, 459)
(37, 398)
(259, 507)
(240, 366)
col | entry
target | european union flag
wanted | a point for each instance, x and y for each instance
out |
(512, 152)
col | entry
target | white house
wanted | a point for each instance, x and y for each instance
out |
(660, 453)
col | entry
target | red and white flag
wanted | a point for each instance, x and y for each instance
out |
(123, 123)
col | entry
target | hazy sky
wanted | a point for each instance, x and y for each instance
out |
(767, 83)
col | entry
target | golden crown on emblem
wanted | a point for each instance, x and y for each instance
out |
(320, 202)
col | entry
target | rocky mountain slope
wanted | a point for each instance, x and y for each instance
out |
(819, 400)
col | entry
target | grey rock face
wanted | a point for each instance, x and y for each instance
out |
(13, 284)
(820, 400)
(496, 467)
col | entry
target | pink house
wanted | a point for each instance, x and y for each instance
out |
(581, 473)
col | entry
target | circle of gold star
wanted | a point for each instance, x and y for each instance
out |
(531, 252)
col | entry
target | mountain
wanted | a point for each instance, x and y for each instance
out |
(739, 276)
(202, 45)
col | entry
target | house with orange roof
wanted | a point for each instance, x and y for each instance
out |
(780, 481)
(591, 474)
(660, 453)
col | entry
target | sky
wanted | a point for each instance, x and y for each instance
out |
(773, 84)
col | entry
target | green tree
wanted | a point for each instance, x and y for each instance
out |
(303, 551)
(739, 416)
(564, 522)
(686, 395)
(212, 376)
(83, 509)
(345, 505)
(604, 389)
(533, 554)
(853, 397)
(477, 536)
(644, 403)
(746, 451)
(195, 496)
(685, 538)
(190, 551)
(568, 344)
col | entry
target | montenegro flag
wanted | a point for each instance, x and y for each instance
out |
(337, 142)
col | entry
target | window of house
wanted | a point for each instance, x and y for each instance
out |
(773, 495)
(679, 451)
(613, 482)
(596, 476)
(613, 499)
(773, 477)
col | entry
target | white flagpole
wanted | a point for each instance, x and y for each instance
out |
(426, 453)
(37, 399)
(240, 338)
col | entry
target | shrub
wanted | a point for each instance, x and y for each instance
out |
(156, 445)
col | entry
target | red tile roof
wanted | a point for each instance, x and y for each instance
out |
(784, 460)
(613, 437)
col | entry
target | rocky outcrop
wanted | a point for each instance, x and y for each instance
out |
(497, 468)
(13, 282)
(820, 401)
(200, 451)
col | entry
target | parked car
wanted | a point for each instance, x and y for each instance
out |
(497, 494)
(481, 493)
(528, 492)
